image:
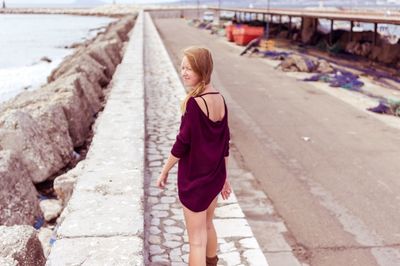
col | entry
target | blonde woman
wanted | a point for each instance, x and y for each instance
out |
(202, 149)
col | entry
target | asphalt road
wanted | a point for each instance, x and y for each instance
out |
(331, 170)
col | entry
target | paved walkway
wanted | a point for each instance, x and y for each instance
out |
(330, 168)
(166, 237)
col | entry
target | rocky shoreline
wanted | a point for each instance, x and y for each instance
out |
(43, 132)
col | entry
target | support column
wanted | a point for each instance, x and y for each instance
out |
(290, 26)
(351, 30)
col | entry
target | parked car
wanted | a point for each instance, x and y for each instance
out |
(208, 16)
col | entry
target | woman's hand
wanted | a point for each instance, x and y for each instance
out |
(162, 179)
(226, 190)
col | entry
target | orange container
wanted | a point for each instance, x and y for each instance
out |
(243, 34)
(229, 34)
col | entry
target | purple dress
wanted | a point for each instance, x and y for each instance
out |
(201, 145)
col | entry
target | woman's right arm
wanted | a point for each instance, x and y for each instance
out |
(162, 179)
(226, 190)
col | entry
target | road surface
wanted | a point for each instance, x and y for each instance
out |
(331, 170)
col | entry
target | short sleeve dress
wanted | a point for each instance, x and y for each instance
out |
(201, 145)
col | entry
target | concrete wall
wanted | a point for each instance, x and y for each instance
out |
(102, 223)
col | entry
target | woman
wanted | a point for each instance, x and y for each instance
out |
(202, 149)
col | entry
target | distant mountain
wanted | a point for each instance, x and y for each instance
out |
(87, 3)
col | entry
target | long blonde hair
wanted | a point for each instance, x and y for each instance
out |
(201, 62)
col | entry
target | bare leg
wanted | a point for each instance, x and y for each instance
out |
(197, 232)
(211, 250)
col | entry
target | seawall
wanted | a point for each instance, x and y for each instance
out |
(103, 221)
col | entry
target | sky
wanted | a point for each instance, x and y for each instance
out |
(71, 1)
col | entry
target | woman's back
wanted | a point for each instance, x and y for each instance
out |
(212, 105)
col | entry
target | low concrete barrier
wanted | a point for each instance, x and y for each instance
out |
(102, 223)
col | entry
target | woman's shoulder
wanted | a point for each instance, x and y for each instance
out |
(190, 105)
(191, 101)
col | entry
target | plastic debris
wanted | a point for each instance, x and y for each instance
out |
(342, 79)
(390, 107)
(276, 55)
(39, 221)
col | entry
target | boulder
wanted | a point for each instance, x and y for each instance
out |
(64, 184)
(122, 27)
(18, 196)
(45, 59)
(73, 95)
(51, 208)
(81, 62)
(112, 49)
(44, 236)
(21, 244)
(109, 36)
(98, 53)
(50, 118)
(36, 142)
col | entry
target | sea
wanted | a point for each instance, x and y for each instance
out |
(25, 39)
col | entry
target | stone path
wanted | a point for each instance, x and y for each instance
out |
(166, 238)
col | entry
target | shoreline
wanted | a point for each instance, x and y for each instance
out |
(28, 72)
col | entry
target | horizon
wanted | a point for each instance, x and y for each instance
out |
(47, 3)
(246, 3)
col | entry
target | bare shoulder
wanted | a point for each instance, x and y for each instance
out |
(200, 102)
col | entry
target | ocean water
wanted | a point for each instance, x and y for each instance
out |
(25, 39)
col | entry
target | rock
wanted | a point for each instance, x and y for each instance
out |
(123, 27)
(112, 35)
(44, 237)
(20, 242)
(98, 53)
(112, 49)
(45, 59)
(74, 97)
(43, 144)
(18, 196)
(51, 208)
(64, 184)
(81, 63)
